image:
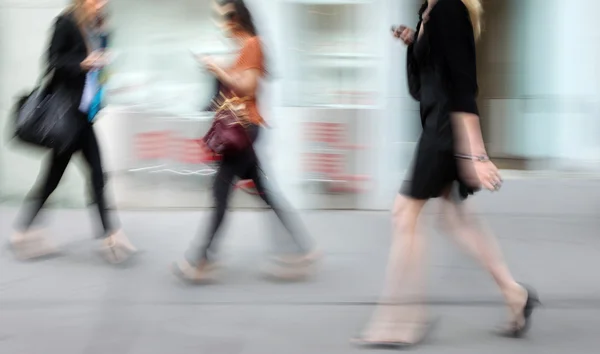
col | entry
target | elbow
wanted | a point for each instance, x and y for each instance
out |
(245, 90)
(464, 103)
(68, 68)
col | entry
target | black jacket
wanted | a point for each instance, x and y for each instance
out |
(443, 61)
(66, 52)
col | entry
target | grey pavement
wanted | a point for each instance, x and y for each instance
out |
(76, 304)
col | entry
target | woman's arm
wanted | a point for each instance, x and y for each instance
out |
(249, 69)
(467, 130)
(60, 56)
(454, 34)
(243, 83)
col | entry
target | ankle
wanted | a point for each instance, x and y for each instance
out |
(18, 236)
(110, 240)
(515, 294)
(203, 263)
(114, 233)
(26, 234)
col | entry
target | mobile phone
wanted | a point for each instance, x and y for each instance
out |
(94, 63)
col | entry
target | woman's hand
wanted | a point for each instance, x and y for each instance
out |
(488, 175)
(92, 61)
(479, 173)
(475, 167)
(211, 66)
(405, 34)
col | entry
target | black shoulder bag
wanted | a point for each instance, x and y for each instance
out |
(45, 117)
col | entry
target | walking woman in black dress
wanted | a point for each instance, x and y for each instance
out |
(451, 163)
(72, 54)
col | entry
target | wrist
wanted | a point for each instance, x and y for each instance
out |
(478, 151)
(222, 76)
(473, 157)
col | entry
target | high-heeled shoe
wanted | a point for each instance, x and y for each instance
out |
(518, 329)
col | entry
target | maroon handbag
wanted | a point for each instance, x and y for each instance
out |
(227, 134)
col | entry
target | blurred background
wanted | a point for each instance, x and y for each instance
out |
(343, 127)
(342, 133)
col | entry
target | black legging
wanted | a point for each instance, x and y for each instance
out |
(245, 165)
(88, 145)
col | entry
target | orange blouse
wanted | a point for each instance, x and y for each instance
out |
(251, 57)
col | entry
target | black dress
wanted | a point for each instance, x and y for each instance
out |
(442, 77)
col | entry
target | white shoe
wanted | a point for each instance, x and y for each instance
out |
(124, 242)
(31, 245)
(113, 251)
(302, 259)
(207, 272)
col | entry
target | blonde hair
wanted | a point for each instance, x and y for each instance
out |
(78, 10)
(475, 12)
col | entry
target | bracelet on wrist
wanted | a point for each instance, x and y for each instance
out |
(478, 158)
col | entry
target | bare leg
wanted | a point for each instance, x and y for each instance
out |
(401, 310)
(482, 245)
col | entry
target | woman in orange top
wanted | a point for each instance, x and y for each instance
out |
(242, 80)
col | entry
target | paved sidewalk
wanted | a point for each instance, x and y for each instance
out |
(76, 304)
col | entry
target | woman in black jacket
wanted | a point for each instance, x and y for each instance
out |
(72, 55)
(450, 163)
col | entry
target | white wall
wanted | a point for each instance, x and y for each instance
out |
(576, 69)
(399, 126)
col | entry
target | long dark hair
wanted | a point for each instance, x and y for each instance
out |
(244, 19)
(242, 15)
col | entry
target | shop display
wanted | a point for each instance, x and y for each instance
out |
(155, 70)
(332, 57)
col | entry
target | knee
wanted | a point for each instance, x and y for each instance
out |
(218, 198)
(399, 212)
(406, 222)
(98, 176)
(398, 206)
(397, 219)
(98, 184)
(220, 194)
(451, 217)
(406, 219)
